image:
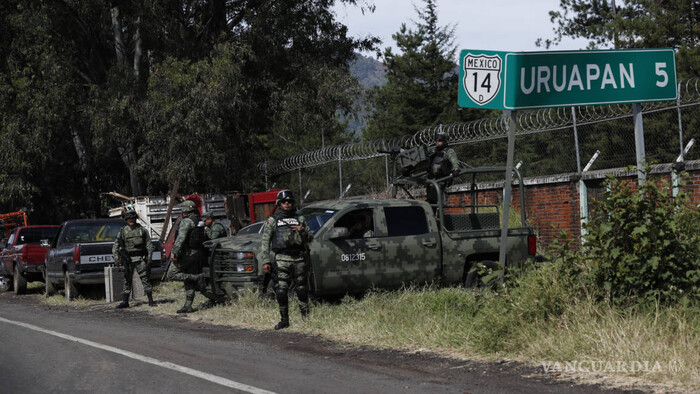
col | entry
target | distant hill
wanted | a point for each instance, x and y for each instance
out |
(370, 73)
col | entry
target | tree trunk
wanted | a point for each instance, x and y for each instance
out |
(128, 151)
(129, 158)
(119, 47)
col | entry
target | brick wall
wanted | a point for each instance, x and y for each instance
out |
(553, 202)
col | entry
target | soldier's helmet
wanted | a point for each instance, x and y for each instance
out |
(440, 136)
(188, 206)
(285, 195)
(208, 215)
(130, 214)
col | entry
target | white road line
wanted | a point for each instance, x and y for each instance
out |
(150, 360)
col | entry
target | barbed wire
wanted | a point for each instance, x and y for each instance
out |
(529, 121)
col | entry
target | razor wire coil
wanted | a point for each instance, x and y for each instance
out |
(529, 121)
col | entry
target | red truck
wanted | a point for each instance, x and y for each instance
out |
(241, 210)
(22, 259)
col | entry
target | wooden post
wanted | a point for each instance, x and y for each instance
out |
(166, 223)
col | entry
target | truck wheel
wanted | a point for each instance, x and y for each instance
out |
(473, 279)
(5, 283)
(70, 289)
(19, 282)
(50, 288)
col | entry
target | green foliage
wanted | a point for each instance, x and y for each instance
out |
(644, 244)
(133, 96)
(632, 24)
(642, 247)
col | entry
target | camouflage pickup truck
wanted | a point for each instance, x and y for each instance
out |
(361, 244)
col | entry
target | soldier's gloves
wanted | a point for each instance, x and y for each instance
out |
(267, 268)
(455, 172)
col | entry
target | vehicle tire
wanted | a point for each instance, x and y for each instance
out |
(50, 288)
(19, 281)
(473, 278)
(70, 288)
(5, 283)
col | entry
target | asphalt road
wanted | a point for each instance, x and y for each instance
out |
(101, 350)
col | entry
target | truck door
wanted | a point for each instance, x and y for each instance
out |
(410, 249)
(345, 264)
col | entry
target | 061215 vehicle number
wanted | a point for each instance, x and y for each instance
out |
(353, 257)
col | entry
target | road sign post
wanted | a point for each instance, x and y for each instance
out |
(530, 80)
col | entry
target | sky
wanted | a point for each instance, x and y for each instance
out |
(500, 25)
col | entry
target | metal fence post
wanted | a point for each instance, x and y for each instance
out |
(639, 143)
(386, 169)
(340, 171)
(680, 121)
(578, 153)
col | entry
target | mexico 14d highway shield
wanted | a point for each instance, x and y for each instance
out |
(523, 80)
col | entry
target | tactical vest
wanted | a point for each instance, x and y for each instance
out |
(134, 244)
(286, 240)
(196, 236)
(439, 166)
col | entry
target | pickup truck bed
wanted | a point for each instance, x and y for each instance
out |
(22, 259)
(81, 251)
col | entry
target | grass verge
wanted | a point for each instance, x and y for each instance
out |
(534, 322)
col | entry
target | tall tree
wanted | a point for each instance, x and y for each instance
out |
(421, 88)
(130, 96)
(632, 24)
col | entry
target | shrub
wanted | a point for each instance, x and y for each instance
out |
(644, 245)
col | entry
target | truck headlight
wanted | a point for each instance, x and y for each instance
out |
(242, 255)
(244, 267)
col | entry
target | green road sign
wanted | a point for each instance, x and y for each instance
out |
(522, 80)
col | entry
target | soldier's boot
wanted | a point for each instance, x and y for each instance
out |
(284, 321)
(303, 297)
(201, 283)
(125, 301)
(150, 299)
(187, 308)
(283, 302)
(304, 309)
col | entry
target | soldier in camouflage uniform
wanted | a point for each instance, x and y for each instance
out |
(187, 254)
(212, 229)
(442, 161)
(133, 249)
(288, 235)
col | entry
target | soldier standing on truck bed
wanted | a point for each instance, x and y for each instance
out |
(133, 250)
(187, 254)
(288, 235)
(212, 229)
(442, 161)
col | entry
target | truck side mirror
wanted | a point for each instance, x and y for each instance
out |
(338, 232)
(44, 243)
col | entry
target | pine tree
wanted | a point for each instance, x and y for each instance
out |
(632, 24)
(421, 88)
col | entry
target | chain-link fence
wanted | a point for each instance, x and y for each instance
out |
(548, 141)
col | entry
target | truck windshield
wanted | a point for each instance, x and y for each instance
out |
(34, 235)
(93, 232)
(316, 217)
